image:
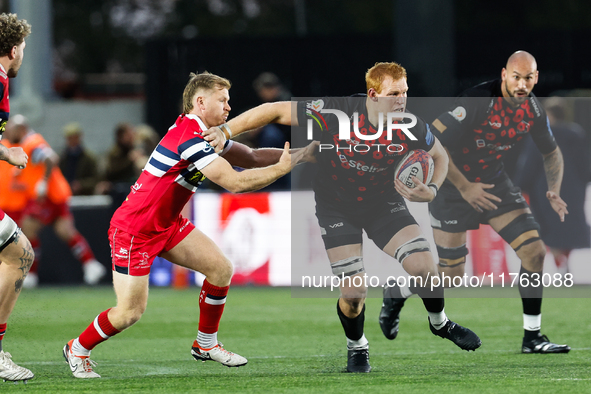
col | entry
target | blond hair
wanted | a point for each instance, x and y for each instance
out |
(206, 81)
(13, 32)
(376, 75)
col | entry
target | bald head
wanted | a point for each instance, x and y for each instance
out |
(519, 77)
(522, 59)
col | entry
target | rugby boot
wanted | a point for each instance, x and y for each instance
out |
(390, 313)
(358, 360)
(461, 336)
(542, 345)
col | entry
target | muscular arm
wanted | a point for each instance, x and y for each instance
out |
(554, 167)
(221, 172)
(278, 112)
(15, 156)
(441, 162)
(240, 155)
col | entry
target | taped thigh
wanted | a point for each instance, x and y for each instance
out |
(521, 231)
(452, 257)
(348, 267)
(8, 231)
(415, 245)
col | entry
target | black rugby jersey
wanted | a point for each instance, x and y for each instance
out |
(360, 171)
(482, 126)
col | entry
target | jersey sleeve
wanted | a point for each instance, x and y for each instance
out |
(425, 138)
(450, 126)
(541, 132)
(197, 151)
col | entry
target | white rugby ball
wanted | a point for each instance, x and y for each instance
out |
(416, 163)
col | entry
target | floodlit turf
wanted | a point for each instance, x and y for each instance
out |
(295, 345)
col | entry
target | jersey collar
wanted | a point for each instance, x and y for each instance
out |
(198, 119)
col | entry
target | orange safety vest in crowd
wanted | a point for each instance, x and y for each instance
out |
(20, 186)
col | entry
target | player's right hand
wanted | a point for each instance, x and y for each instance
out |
(17, 157)
(285, 159)
(215, 137)
(475, 194)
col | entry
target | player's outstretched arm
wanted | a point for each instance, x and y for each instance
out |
(278, 112)
(221, 172)
(554, 168)
(240, 155)
(15, 156)
(473, 192)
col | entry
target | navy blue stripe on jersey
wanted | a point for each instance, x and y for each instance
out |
(195, 149)
(161, 160)
(168, 153)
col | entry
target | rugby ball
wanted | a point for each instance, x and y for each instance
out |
(415, 163)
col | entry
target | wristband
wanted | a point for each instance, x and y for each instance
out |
(434, 187)
(224, 127)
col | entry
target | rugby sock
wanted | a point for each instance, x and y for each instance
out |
(531, 326)
(36, 245)
(398, 291)
(353, 326)
(211, 306)
(2, 332)
(80, 248)
(531, 298)
(98, 331)
(438, 319)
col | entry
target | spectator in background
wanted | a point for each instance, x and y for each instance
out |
(78, 165)
(146, 140)
(121, 169)
(47, 193)
(560, 237)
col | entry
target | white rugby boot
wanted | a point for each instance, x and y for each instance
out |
(10, 371)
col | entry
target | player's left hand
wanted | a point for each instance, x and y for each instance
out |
(558, 204)
(420, 193)
(215, 137)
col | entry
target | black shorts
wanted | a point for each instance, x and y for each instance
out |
(452, 214)
(342, 224)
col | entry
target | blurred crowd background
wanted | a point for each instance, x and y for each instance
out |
(103, 79)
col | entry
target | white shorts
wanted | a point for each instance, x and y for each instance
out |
(8, 229)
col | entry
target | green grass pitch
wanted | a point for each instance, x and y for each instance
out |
(295, 345)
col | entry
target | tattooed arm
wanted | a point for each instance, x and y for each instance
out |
(554, 168)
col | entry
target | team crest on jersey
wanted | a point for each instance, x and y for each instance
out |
(313, 109)
(459, 113)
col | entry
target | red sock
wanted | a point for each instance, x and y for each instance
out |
(211, 306)
(2, 330)
(36, 245)
(80, 248)
(98, 331)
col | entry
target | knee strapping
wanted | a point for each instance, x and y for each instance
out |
(349, 266)
(415, 245)
(521, 231)
(452, 257)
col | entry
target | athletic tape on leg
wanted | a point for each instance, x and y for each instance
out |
(521, 231)
(347, 267)
(415, 245)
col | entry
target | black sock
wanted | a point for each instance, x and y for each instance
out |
(353, 327)
(531, 296)
(432, 299)
(530, 335)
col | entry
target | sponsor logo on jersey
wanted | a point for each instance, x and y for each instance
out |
(480, 143)
(398, 206)
(336, 225)
(536, 108)
(459, 113)
(451, 221)
(495, 125)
